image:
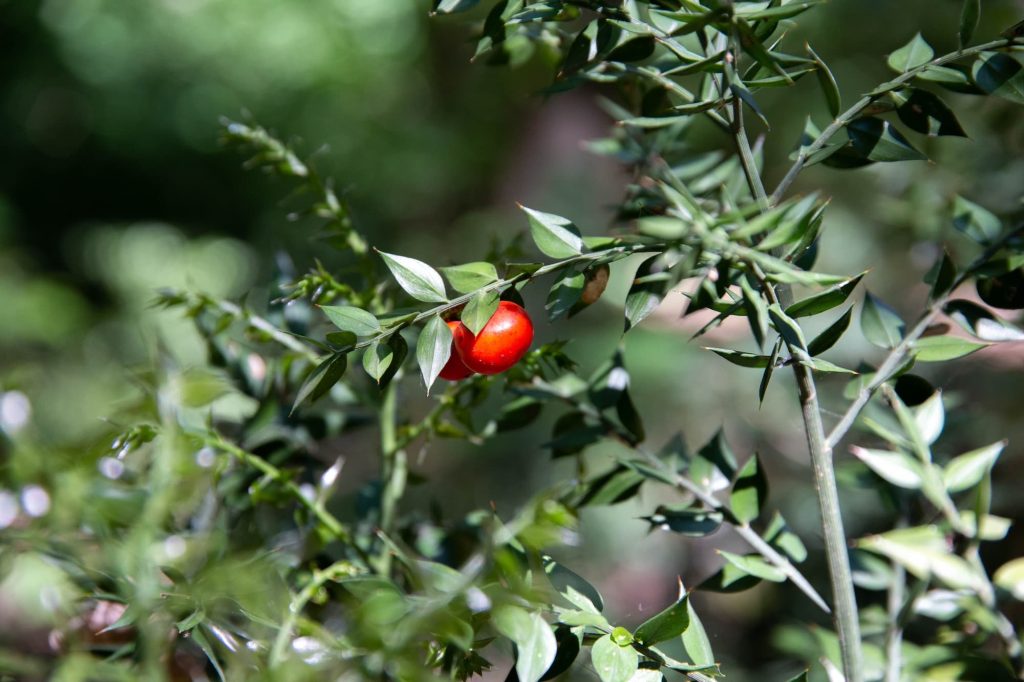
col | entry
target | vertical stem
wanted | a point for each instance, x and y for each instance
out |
(894, 607)
(843, 599)
(393, 471)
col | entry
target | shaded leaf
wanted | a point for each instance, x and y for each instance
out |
(754, 565)
(828, 85)
(685, 520)
(828, 338)
(976, 222)
(321, 379)
(769, 369)
(649, 285)
(1000, 74)
(980, 322)
(749, 492)
(969, 15)
(926, 113)
(695, 640)
(880, 323)
(740, 358)
(377, 358)
(565, 293)
(876, 140)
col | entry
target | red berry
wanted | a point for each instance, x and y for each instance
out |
(502, 342)
(454, 370)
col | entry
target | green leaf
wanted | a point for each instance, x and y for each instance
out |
(980, 322)
(769, 369)
(923, 552)
(787, 328)
(876, 140)
(820, 365)
(667, 624)
(749, 492)
(469, 277)
(695, 640)
(349, 319)
(418, 279)
(969, 15)
(828, 85)
(479, 310)
(976, 222)
(779, 535)
(930, 417)
(535, 642)
(925, 113)
(942, 348)
(1010, 577)
(685, 520)
(554, 235)
(754, 565)
(377, 358)
(1000, 74)
(740, 358)
(321, 379)
(453, 6)
(564, 294)
(897, 468)
(573, 586)
(433, 349)
(828, 338)
(612, 662)
(912, 55)
(966, 471)
(341, 341)
(941, 276)
(648, 288)
(880, 323)
(757, 311)
(826, 300)
(771, 13)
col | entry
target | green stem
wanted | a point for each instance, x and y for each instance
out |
(298, 603)
(844, 600)
(848, 115)
(894, 629)
(394, 472)
(327, 520)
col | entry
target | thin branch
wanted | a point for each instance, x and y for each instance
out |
(848, 115)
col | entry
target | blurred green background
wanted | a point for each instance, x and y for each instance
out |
(112, 184)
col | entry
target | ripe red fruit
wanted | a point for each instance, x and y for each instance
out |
(454, 370)
(500, 344)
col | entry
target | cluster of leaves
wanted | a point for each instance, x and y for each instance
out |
(382, 593)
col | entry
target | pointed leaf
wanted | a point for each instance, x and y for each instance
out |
(695, 640)
(769, 369)
(349, 319)
(749, 492)
(554, 235)
(685, 520)
(828, 338)
(740, 358)
(479, 310)
(433, 349)
(667, 624)
(377, 358)
(966, 471)
(980, 322)
(1000, 74)
(564, 294)
(1010, 577)
(469, 277)
(612, 662)
(787, 328)
(880, 323)
(754, 565)
(418, 279)
(895, 467)
(535, 642)
(876, 140)
(321, 379)
(976, 222)
(912, 55)
(649, 286)
(969, 15)
(828, 84)
(925, 113)
(826, 300)
(942, 348)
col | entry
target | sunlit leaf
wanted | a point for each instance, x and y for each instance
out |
(966, 471)
(942, 348)
(349, 319)
(912, 55)
(554, 235)
(433, 349)
(880, 323)
(470, 276)
(418, 279)
(613, 663)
